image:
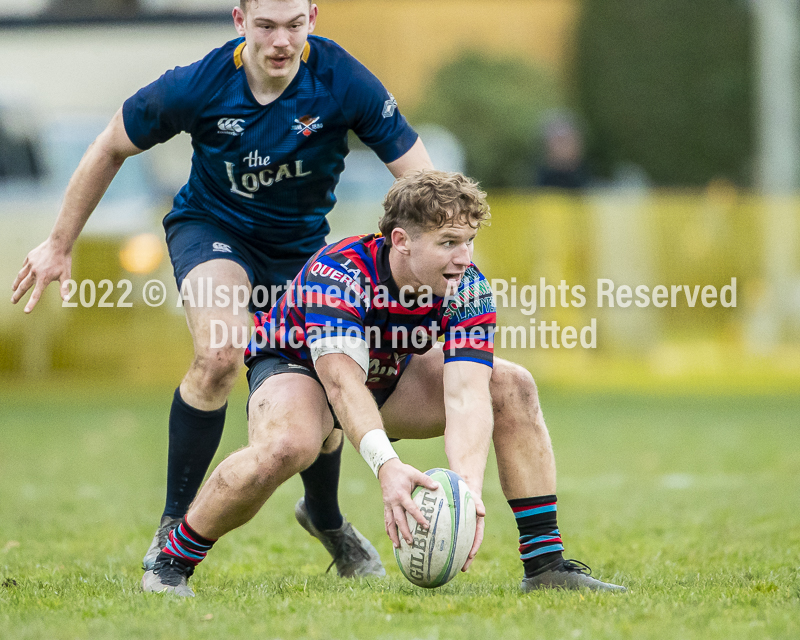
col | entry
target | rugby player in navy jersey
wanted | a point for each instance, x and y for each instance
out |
(353, 345)
(268, 114)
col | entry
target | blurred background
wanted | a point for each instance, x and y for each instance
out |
(649, 142)
(645, 141)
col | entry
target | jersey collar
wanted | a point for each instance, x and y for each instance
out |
(237, 54)
(385, 274)
(238, 61)
(385, 270)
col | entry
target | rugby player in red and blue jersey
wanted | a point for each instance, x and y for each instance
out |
(353, 344)
(268, 114)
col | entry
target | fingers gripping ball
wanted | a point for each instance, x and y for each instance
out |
(437, 555)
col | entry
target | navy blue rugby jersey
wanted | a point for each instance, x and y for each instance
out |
(347, 289)
(268, 172)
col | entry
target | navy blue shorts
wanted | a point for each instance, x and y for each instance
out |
(193, 242)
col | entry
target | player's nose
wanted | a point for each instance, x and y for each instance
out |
(462, 257)
(281, 40)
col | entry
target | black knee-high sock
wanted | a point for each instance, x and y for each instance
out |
(194, 436)
(321, 482)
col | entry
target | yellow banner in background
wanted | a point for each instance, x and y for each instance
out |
(622, 289)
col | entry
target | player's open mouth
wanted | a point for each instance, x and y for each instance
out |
(279, 61)
(454, 276)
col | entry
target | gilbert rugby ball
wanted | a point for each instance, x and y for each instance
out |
(437, 555)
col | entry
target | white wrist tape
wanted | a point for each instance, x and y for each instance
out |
(376, 449)
(352, 346)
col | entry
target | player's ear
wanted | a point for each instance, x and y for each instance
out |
(401, 240)
(312, 18)
(239, 20)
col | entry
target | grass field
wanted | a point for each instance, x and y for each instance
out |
(693, 503)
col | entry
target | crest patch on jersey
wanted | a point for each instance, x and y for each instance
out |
(307, 125)
(389, 107)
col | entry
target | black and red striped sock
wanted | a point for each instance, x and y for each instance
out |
(539, 539)
(187, 545)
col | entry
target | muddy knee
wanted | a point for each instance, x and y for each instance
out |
(218, 369)
(282, 458)
(513, 389)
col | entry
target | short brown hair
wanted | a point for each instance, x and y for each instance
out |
(429, 199)
(243, 3)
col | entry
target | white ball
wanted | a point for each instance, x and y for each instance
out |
(438, 554)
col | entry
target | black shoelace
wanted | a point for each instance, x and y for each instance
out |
(576, 566)
(171, 570)
(345, 545)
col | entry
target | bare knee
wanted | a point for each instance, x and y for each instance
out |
(217, 368)
(513, 389)
(282, 457)
(515, 402)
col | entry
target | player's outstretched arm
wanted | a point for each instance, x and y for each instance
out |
(361, 421)
(468, 431)
(52, 260)
(415, 159)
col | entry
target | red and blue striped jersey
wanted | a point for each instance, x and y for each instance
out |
(347, 291)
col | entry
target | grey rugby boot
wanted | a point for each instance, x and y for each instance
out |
(353, 555)
(159, 541)
(169, 575)
(567, 574)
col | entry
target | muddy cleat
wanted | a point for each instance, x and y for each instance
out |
(159, 541)
(353, 555)
(567, 574)
(169, 575)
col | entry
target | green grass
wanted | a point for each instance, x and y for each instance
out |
(691, 502)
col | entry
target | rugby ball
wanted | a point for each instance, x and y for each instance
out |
(437, 554)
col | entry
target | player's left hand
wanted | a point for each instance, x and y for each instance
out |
(480, 510)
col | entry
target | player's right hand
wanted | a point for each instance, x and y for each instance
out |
(397, 482)
(42, 266)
